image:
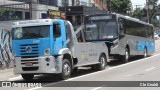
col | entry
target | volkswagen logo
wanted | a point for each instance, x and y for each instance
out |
(28, 49)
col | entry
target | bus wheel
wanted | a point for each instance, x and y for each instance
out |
(125, 58)
(103, 62)
(27, 76)
(66, 69)
(145, 53)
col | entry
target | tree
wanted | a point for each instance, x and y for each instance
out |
(8, 14)
(121, 6)
(142, 13)
(2, 12)
(155, 7)
(139, 13)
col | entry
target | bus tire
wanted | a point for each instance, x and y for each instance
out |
(27, 76)
(103, 62)
(66, 69)
(145, 53)
(125, 58)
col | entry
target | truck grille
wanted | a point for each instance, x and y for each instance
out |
(29, 50)
(33, 61)
(32, 66)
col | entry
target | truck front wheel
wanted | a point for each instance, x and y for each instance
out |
(27, 76)
(66, 69)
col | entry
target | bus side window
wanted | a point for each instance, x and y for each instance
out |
(150, 32)
(56, 30)
(121, 26)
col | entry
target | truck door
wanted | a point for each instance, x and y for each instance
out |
(59, 38)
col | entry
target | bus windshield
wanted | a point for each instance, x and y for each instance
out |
(101, 30)
(30, 32)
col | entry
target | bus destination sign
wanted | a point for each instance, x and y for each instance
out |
(101, 17)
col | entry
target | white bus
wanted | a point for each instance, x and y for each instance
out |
(125, 36)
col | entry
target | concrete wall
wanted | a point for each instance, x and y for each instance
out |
(6, 57)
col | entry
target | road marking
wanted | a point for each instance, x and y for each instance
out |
(140, 60)
(15, 78)
(96, 88)
(34, 88)
(150, 69)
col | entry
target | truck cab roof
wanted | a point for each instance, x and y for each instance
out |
(38, 22)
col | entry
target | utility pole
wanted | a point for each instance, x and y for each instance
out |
(30, 8)
(148, 10)
(137, 6)
(65, 8)
(73, 2)
(4, 2)
(108, 6)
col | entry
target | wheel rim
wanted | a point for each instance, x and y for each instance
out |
(66, 69)
(145, 53)
(127, 55)
(102, 61)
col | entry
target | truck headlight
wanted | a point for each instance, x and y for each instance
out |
(47, 52)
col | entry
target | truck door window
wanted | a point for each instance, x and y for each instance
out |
(56, 30)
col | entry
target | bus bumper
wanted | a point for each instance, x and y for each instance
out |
(38, 65)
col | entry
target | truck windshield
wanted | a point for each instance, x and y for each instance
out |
(101, 30)
(30, 32)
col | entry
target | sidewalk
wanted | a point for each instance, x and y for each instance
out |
(6, 74)
(6, 70)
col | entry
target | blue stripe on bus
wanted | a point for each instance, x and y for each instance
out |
(141, 45)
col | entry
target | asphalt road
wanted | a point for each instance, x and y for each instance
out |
(138, 70)
(130, 76)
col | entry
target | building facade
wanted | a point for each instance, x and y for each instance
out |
(26, 9)
(99, 4)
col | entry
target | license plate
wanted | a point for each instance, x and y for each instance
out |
(29, 64)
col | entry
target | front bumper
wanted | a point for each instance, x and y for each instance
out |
(39, 65)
